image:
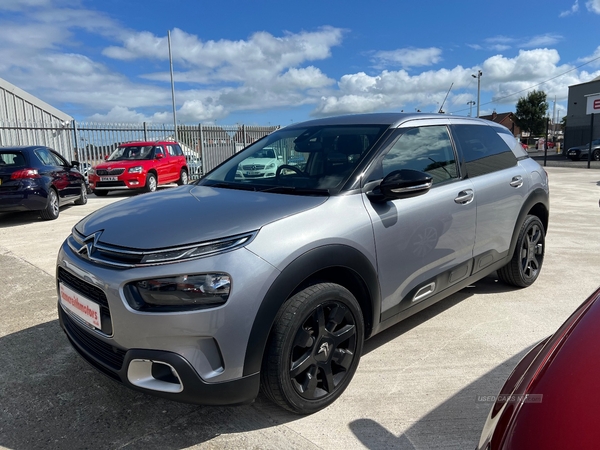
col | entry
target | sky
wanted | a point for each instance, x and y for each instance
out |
(265, 62)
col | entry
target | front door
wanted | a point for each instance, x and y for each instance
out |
(421, 237)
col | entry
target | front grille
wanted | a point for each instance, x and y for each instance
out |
(104, 172)
(90, 292)
(107, 354)
(84, 288)
(254, 167)
(90, 248)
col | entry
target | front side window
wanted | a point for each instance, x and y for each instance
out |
(46, 157)
(426, 149)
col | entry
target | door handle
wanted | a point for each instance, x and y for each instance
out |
(465, 197)
(517, 181)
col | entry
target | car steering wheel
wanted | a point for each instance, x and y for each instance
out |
(287, 166)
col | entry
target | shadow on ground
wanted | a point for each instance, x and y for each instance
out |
(51, 398)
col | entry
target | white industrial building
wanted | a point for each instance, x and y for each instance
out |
(27, 120)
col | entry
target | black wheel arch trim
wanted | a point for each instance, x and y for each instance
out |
(297, 272)
(537, 198)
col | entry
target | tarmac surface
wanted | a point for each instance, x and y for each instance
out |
(417, 385)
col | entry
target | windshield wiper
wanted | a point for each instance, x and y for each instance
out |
(295, 190)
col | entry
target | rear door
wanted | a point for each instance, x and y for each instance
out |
(67, 184)
(417, 239)
(500, 184)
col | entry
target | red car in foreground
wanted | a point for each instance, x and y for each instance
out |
(140, 165)
(551, 399)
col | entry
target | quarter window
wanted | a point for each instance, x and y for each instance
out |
(426, 149)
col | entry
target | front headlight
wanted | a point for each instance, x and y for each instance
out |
(197, 291)
(136, 169)
(91, 172)
(270, 166)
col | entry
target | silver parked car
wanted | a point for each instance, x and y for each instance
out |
(210, 291)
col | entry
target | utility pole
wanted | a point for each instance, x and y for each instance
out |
(172, 87)
(478, 76)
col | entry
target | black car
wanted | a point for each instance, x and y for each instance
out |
(36, 178)
(582, 151)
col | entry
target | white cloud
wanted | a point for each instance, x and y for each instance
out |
(593, 6)
(505, 78)
(409, 57)
(573, 10)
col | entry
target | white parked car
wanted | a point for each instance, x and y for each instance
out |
(261, 164)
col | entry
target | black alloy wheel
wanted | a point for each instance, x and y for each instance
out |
(51, 211)
(314, 349)
(82, 200)
(527, 260)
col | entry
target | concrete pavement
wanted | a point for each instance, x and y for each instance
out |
(416, 386)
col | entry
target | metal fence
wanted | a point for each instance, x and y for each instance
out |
(205, 146)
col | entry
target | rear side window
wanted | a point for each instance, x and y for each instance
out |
(484, 151)
(174, 150)
(12, 159)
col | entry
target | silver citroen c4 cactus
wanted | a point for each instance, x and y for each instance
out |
(211, 291)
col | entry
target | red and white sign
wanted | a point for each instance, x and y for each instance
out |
(593, 104)
(80, 306)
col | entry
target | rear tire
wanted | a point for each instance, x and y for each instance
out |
(82, 200)
(314, 348)
(596, 155)
(526, 263)
(183, 178)
(52, 207)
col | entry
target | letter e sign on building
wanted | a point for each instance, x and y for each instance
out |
(593, 104)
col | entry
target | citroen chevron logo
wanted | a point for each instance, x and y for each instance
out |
(324, 348)
(88, 244)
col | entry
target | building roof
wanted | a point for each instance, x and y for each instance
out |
(25, 105)
(498, 118)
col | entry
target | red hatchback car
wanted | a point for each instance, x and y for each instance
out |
(550, 401)
(140, 165)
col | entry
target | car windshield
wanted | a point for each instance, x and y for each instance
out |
(132, 153)
(298, 160)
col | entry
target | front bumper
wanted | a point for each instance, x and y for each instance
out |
(182, 384)
(190, 356)
(125, 181)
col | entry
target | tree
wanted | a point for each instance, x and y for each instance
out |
(531, 113)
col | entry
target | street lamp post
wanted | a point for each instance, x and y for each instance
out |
(470, 103)
(478, 76)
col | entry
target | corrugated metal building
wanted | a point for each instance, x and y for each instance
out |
(45, 124)
(579, 129)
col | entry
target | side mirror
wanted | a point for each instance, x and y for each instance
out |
(403, 183)
(75, 164)
(159, 156)
(106, 156)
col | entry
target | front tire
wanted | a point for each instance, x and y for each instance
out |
(314, 348)
(596, 155)
(151, 183)
(526, 263)
(51, 211)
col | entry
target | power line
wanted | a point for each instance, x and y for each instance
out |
(534, 86)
